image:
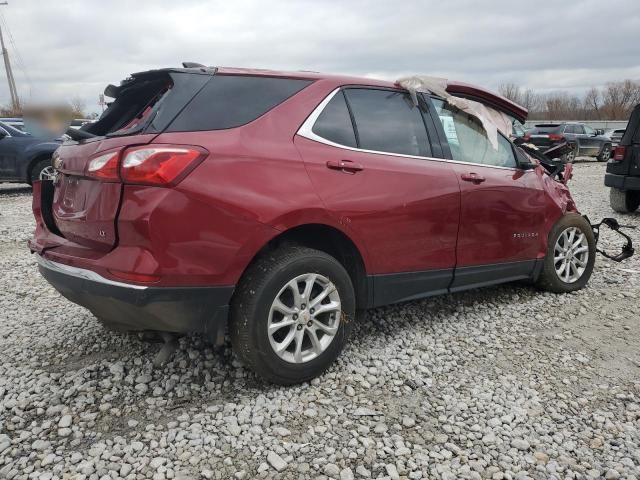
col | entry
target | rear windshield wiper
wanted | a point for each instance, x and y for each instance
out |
(77, 134)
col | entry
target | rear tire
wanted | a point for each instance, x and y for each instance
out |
(605, 154)
(571, 253)
(265, 298)
(624, 201)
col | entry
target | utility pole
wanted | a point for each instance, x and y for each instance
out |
(15, 100)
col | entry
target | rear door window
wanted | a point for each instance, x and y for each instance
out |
(334, 123)
(229, 101)
(388, 121)
(469, 142)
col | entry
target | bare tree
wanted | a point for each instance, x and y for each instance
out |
(511, 91)
(592, 103)
(77, 107)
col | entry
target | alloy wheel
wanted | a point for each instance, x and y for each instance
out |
(571, 254)
(304, 318)
(47, 173)
(606, 153)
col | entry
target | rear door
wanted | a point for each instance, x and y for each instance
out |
(502, 207)
(382, 183)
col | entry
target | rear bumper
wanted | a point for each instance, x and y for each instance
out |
(621, 182)
(137, 307)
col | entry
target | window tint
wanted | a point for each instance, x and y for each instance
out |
(569, 129)
(542, 129)
(334, 123)
(468, 140)
(228, 101)
(388, 121)
(588, 130)
(578, 128)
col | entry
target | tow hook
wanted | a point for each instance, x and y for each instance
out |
(612, 223)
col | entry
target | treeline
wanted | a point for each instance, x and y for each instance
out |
(614, 101)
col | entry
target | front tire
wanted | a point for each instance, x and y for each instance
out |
(624, 201)
(571, 156)
(291, 314)
(571, 253)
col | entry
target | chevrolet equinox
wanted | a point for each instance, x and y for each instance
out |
(273, 205)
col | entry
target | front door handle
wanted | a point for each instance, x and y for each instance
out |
(346, 166)
(472, 177)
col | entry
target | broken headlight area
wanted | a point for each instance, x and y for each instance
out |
(551, 159)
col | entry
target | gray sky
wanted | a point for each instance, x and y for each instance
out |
(74, 48)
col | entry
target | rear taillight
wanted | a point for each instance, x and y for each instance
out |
(159, 164)
(556, 137)
(146, 165)
(104, 167)
(618, 153)
(526, 136)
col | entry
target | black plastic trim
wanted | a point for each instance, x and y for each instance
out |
(484, 275)
(401, 287)
(168, 309)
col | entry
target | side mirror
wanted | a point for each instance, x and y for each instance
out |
(524, 160)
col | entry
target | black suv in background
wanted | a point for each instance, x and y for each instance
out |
(586, 141)
(623, 171)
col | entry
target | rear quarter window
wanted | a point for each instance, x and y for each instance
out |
(229, 101)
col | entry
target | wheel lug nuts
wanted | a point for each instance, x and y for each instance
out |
(312, 310)
(309, 324)
(295, 316)
(303, 306)
(299, 327)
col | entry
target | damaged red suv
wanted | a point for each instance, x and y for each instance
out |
(274, 205)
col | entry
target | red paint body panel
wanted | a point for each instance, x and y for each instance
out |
(403, 214)
(502, 218)
(404, 210)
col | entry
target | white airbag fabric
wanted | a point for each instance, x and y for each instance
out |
(491, 120)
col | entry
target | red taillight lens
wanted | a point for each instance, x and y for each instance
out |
(159, 164)
(556, 137)
(618, 153)
(135, 277)
(104, 167)
(526, 136)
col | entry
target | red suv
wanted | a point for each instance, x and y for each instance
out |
(274, 205)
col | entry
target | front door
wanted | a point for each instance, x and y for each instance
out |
(502, 210)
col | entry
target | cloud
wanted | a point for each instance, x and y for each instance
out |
(74, 48)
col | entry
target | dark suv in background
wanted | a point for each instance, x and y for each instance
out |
(586, 141)
(623, 171)
(23, 157)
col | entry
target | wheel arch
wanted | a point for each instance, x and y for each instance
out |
(328, 239)
(35, 159)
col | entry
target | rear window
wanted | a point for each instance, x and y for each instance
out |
(545, 129)
(229, 101)
(334, 123)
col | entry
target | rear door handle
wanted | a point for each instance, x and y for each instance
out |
(346, 166)
(472, 177)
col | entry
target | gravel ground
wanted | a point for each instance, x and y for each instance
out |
(500, 383)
